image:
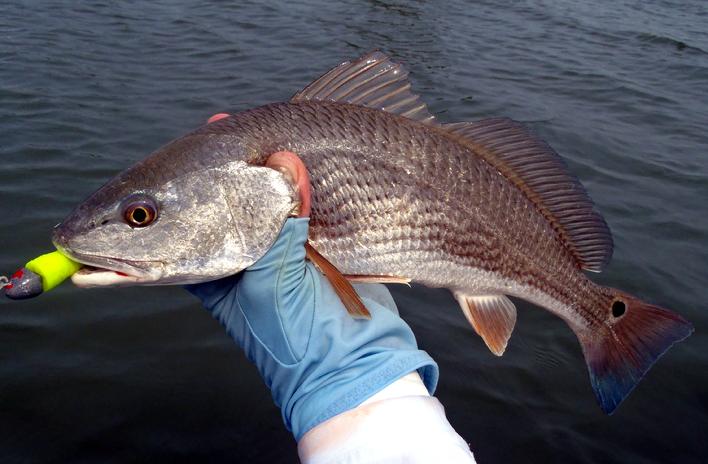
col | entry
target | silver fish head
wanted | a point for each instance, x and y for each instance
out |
(194, 225)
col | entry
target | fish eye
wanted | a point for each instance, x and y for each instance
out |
(140, 213)
(618, 308)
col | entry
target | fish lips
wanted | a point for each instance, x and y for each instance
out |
(103, 271)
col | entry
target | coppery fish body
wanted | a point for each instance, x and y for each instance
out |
(485, 209)
(393, 196)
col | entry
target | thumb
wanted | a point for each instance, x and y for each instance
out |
(292, 166)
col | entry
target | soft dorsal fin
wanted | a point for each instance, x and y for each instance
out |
(372, 80)
(543, 176)
(493, 317)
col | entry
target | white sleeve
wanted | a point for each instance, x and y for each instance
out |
(400, 424)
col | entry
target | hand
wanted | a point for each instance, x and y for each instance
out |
(317, 360)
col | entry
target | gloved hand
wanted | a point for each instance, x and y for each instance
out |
(316, 359)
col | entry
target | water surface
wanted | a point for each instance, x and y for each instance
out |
(128, 375)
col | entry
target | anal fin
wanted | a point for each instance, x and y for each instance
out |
(355, 307)
(492, 316)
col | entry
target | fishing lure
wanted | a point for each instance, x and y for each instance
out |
(38, 276)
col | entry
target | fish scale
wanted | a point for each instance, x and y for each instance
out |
(483, 208)
(347, 192)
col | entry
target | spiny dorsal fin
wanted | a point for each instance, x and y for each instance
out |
(372, 80)
(493, 317)
(344, 290)
(543, 176)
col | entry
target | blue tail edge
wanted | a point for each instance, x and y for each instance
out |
(619, 357)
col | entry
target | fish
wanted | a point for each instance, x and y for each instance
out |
(485, 208)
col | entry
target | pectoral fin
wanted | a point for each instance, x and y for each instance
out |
(377, 279)
(492, 316)
(355, 307)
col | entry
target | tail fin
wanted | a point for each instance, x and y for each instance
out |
(618, 358)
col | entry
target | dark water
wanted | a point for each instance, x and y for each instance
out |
(619, 88)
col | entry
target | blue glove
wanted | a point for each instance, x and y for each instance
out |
(316, 359)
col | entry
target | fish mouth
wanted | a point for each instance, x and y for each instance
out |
(105, 271)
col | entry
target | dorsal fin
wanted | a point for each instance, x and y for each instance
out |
(372, 80)
(543, 176)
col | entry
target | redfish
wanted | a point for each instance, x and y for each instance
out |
(483, 208)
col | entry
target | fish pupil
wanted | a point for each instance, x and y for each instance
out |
(618, 308)
(140, 215)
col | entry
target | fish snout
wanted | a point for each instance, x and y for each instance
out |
(61, 236)
(79, 223)
(68, 230)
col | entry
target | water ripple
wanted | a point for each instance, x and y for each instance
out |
(617, 88)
